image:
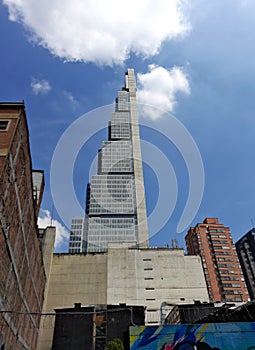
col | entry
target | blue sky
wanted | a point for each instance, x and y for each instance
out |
(194, 59)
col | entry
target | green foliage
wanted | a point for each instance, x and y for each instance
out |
(115, 344)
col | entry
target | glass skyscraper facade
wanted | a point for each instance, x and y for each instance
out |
(76, 240)
(115, 204)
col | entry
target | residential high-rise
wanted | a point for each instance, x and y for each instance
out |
(115, 205)
(22, 275)
(245, 248)
(224, 278)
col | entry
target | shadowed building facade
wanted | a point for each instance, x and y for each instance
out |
(22, 275)
(245, 248)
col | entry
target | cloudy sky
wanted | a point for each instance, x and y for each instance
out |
(194, 61)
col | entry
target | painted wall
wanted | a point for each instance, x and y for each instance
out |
(215, 336)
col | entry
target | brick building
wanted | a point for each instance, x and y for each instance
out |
(224, 278)
(22, 276)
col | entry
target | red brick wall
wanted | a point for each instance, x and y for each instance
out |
(22, 274)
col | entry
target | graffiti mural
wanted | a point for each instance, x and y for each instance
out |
(208, 336)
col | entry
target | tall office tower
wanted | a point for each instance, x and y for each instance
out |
(245, 248)
(115, 205)
(22, 275)
(224, 278)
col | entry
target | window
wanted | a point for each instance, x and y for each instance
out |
(226, 265)
(152, 322)
(233, 278)
(234, 299)
(223, 253)
(4, 125)
(225, 278)
(231, 285)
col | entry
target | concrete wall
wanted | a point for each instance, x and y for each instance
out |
(142, 227)
(151, 277)
(73, 279)
(146, 277)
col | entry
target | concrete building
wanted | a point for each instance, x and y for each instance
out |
(156, 278)
(115, 206)
(245, 248)
(213, 243)
(22, 276)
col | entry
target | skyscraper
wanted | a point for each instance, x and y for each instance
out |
(213, 242)
(245, 248)
(115, 204)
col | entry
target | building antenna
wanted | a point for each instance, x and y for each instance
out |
(252, 223)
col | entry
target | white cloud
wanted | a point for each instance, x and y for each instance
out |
(104, 32)
(61, 232)
(71, 99)
(158, 88)
(40, 86)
